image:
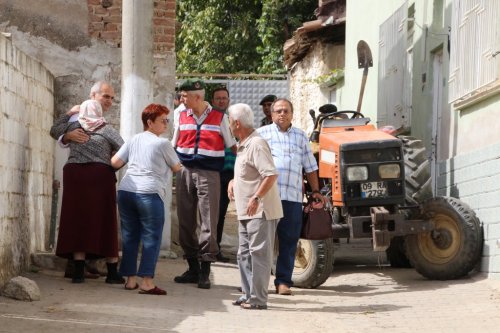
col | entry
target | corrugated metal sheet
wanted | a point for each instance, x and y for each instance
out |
(394, 94)
(474, 38)
(251, 92)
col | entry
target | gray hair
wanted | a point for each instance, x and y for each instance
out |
(243, 113)
(200, 93)
(96, 88)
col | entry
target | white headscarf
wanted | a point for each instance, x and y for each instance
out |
(90, 116)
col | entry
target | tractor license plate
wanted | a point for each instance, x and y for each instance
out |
(373, 190)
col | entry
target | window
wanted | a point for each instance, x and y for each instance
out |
(474, 40)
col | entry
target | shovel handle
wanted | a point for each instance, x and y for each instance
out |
(362, 90)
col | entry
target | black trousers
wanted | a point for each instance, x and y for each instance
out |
(225, 178)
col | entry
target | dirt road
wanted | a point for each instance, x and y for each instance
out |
(359, 297)
(362, 295)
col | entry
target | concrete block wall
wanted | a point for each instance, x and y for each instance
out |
(79, 42)
(474, 178)
(26, 158)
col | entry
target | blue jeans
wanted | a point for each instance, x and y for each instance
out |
(288, 236)
(142, 216)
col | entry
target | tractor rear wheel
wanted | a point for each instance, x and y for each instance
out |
(418, 189)
(453, 248)
(417, 171)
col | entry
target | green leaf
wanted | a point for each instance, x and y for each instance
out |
(237, 36)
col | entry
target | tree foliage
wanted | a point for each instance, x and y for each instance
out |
(237, 36)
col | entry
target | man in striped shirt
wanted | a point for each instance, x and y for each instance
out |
(292, 154)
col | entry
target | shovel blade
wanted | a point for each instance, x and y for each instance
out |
(365, 58)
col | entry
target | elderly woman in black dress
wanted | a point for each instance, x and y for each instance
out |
(88, 224)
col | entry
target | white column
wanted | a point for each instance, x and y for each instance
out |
(137, 79)
(137, 64)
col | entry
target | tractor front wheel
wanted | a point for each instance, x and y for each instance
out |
(313, 263)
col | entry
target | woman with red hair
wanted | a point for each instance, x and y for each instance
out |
(141, 196)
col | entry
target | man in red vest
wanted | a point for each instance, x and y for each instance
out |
(199, 140)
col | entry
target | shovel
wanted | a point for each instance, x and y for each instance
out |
(365, 61)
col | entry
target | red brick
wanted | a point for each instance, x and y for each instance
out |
(161, 39)
(98, 10)
(170, 14)
(109, 35)
(95, 34)
(113, 19)
(115, 11)
(96, 26)
(158, 21)
(169, 31)
(171, 4)
(95, 18)
(159, 13)
(161, 5)
(94, 2)
(110, 27)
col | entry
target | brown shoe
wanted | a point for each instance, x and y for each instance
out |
(283, 289)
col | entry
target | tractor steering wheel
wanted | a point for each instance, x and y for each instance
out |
(355, 114)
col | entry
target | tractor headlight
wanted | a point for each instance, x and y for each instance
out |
(389, 171)
(357, 173)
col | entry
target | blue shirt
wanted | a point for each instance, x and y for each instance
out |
(291, 153)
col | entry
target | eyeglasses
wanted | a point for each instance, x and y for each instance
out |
(284, 111)
(165, 121)
(106, 96)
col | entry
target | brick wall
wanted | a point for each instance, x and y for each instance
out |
(105, 23)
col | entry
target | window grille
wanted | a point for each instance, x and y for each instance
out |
(474, 41)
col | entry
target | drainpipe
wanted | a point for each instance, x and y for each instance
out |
(53, 212)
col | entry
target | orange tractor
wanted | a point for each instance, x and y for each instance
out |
(378, 187)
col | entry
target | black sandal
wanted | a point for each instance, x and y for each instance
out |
(239, 301)
(248, 306)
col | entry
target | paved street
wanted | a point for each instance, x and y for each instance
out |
(360, 296)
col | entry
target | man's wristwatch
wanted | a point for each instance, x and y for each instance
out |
(257, 198)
